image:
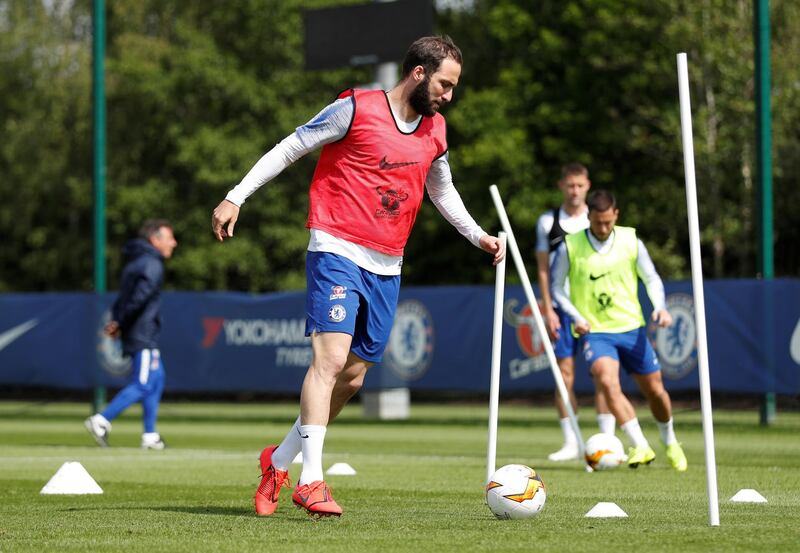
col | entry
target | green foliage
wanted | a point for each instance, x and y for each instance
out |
(45, 152)
(198, 91)
(786, 134)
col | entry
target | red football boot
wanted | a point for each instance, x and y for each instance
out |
(272, 480)
(316, 499)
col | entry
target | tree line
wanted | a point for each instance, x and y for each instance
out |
(198, 91)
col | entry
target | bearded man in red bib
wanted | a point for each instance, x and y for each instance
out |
(380, 151)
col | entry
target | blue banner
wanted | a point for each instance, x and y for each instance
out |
(226, 342)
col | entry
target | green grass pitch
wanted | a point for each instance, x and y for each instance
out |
(419, 485)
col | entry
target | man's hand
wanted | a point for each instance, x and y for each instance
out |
(552, 323)
(662, 318)
(224, 219)
(582, 328)
(112, 329)
(494, 245)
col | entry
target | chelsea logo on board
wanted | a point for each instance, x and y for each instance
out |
(410, 347)
(109, 351)
(676, 345)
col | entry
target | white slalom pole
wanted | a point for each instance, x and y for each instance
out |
(697, 286)
(497, 342)
(526, 285)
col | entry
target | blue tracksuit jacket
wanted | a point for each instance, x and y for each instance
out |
(137, 308)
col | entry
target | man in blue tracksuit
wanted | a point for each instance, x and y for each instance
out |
(135, 317)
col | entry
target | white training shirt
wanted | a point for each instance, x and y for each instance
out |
(327, 126)
(644, 269)
(570, 224)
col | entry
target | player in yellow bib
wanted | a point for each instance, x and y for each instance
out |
(604, 264)
(551, 228)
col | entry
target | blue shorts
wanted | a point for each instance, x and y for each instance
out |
(145, 384)
(343, 297)
(632, 349)
(147, 370)
(566, 345)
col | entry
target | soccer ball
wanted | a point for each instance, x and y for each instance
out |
(604, 451)
(515, 491)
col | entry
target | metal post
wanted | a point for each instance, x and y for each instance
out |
(394, 402)
(99, 105)
(764, 170)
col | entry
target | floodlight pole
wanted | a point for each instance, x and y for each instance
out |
(764, 171)
(697, 288)
(99, 118)
(386, 72)
(386, 79)
(386, 75)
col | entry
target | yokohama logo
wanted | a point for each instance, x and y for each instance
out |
(254, 332)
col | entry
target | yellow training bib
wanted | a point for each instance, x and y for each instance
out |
(604, 287)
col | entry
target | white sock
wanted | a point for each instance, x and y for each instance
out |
(667, 432)
(100, 419)
(150, 437)
(313, 438)
(291, 445)
(569, 433)
(634, 433)
(607, 423)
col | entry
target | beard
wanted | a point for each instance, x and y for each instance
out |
(420, 99)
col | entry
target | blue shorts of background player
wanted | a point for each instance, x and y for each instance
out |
(632, 349)
(566, 345)
(145, 385)
(343, 297)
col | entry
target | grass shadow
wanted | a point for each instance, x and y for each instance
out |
(209, 510)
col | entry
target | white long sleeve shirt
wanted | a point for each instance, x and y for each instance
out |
(329, 125)
(570, 224)
(644, 269)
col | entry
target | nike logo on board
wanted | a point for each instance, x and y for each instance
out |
(592, 277)
(389, 165)
(13, 333)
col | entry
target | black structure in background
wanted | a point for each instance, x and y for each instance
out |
(364, 34)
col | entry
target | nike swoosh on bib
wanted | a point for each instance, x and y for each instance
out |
(592, 277)
(7, 337)
(389, 165)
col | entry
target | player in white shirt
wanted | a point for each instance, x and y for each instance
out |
(551, 228)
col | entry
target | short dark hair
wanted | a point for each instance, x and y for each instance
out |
(601, 200)
(429, 51)
(573, 169)
(152, 226)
